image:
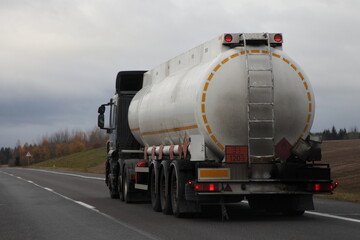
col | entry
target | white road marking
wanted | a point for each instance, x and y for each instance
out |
(86, 205)
(67, 174)
(332, 216)
(92, 208)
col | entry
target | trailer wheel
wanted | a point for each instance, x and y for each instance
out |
(126, 187)
(175, 192)
(155, 196)
(164, 193)
(120, 188)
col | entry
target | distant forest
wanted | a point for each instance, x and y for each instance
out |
(56, 145)
(63, 143)
(340, 134)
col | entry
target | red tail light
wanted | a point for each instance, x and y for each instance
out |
(321, 187)
(141, 164)
(207, 187)
(278, 38)
(228, 38)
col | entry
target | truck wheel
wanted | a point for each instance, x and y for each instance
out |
(112, 188)
(125, 187)
(155, 196)
(175, 192)
(120, 188)
(164, 194)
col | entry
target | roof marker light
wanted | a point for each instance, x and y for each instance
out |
(228, 38)
(278, 38)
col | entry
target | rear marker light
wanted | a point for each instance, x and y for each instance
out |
(278, 38)
(322, 187)
(206, 187)
(228, 38)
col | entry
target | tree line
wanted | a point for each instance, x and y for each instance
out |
(56, 145)
(64, 142)
(340, 134)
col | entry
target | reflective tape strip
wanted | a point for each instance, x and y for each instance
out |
(214, 138)
(309, 96)
(213, 173)
(171, 130)
(308, 118)
(210, 76)
(285, 60)
(220, 146)
(306, 86)
(275, 55)
(206, 87)
(205, 119)
(301, 76)
(203, 97)
(217, 67)
(208, 129)
(234, 55)
(225, 60)
(135, 129)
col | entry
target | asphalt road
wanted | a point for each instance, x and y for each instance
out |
(42, 204)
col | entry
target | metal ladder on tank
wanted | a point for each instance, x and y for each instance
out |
(260, 103)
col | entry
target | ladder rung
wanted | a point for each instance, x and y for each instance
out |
(261, 138)
(264, 156)
(261, 103)
(261, 86)
(260, 70)
(261, 121)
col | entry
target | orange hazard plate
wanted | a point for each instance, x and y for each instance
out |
(236, 153)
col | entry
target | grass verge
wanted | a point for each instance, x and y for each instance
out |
(86, 161)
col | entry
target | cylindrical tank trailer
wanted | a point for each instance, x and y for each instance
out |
(206, 91)
(225, 121)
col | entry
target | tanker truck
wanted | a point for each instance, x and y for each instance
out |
(224, 122)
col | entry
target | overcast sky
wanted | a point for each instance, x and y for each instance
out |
(59, 58)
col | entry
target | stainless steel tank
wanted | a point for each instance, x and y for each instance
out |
(205, 91)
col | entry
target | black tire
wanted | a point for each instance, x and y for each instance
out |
(126, 187)
(120, 188)
(165, 199)
(114, 194)
(175, 192)
(154, 195)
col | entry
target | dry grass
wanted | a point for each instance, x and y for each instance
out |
(344, 159)
(87, 161)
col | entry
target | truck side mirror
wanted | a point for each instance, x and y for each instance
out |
(101, 120)
(101, 110)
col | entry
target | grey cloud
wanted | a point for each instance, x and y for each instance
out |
(59, 59)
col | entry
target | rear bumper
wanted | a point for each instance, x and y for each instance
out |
(246, 188)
